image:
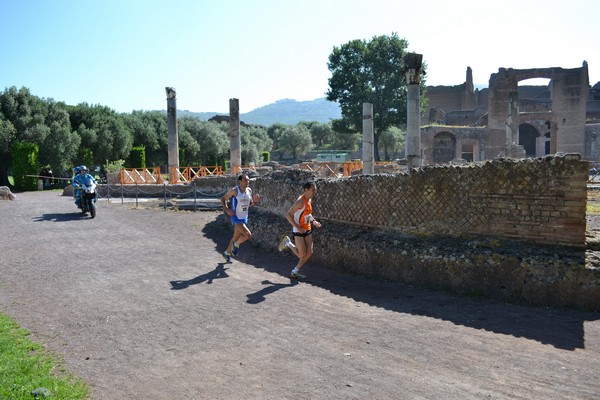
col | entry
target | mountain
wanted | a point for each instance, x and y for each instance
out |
(286, 111)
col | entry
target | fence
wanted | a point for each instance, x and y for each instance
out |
(152, 176)
(332, 169)
(188, 174)
(130, 176)
(594, 172)
(188, 197)
(237, 169)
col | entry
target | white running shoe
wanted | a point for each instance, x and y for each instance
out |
(297, 275)
(284, 243)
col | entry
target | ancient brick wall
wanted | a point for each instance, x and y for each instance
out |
(502, 269)
(505, 229)
(447, 98)
(533, 200)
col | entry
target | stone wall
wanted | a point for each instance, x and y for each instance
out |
(505, 229)
(505, 270)
(533, 200)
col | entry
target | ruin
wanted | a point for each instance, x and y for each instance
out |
(414, 157)
(368, 142)
(172, 130)
(234, 135)
(507, 120)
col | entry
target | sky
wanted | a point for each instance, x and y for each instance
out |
(123, 53)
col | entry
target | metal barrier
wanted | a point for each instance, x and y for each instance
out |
(190, 198)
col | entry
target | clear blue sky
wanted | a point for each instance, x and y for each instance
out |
(123, 53)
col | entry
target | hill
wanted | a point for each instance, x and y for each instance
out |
(286, 111)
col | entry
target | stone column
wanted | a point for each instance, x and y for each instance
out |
(234, 136)
(593, 147)
(172, 131)
(476, 150)
(458, 148)
(512, 122)
(368, 153)
(413, 64)
(512, 149)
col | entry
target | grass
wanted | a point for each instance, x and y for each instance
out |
(593, 202)
(593, 209)
(28, 371)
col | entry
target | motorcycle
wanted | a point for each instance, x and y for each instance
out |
(87, 197)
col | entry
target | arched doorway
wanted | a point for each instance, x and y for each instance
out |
(528, 138)
(444, 147)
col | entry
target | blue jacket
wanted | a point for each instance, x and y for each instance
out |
(80, 179)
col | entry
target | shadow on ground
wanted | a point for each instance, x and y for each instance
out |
(561, 328)
(270, 288)
(74, 216)
(208, 278)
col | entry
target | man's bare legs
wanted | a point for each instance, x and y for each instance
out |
(303, 249)
(241, 233)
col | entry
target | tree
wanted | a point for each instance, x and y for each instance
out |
(346, 141)
(370, 72)
(321, 134)
(149, 129)
(295, 139)
(25, 117)
(211, 138)
(102, 130)
(275, 131)
(8, 134)
(392, 141)
(26, 163)
(254, 140)
(59, 147)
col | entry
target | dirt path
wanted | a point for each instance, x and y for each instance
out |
(141, 306)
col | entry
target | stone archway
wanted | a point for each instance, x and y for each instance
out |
(528, 138)
(444, 147)
(569, 92)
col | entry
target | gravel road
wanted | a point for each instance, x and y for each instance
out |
(140, 305)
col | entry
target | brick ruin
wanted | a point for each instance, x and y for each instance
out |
(463, 123)
(508, 229)
(535, 200)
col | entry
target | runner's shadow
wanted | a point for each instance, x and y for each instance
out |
(217, 273)
(258, 297)
(60, 217)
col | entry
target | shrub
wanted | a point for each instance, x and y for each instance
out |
(25, 162)
(137, 157)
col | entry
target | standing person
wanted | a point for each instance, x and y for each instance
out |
(301, 218)
(241, 201)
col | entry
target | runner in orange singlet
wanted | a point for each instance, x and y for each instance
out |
(301, 218)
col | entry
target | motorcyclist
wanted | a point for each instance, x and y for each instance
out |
(81, 179)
